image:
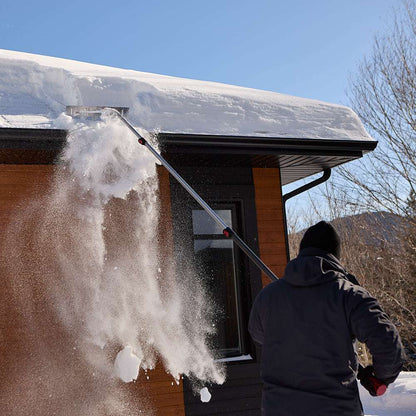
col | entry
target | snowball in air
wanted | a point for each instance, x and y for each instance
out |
(205, 395)
(126, 365)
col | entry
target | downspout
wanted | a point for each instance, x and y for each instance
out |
(326, 175)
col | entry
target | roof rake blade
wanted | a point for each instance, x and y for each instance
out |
(93, 112)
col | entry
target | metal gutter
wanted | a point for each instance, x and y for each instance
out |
(33, 139)
(263, 144)
(37, 139)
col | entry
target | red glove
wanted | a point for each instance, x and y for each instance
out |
(370, 382)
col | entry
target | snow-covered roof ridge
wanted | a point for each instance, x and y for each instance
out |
(35, 89)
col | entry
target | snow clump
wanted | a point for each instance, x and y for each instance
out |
(205, 395)
(126, 365)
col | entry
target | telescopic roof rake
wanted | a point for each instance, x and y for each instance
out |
(95, 113)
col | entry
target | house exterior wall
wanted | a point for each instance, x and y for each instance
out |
(25, 339)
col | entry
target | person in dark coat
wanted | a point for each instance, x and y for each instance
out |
(307, 323)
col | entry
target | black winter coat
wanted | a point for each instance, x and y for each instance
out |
(306, 323)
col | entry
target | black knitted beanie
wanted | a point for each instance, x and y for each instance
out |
(323, 236)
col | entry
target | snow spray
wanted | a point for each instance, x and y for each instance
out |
(106, 277)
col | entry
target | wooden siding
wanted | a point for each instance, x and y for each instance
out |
(25, 319)
(36, 350)
(165, 395)
(270, 220)
(20, 182)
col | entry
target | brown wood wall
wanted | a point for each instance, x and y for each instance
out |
(40, 371)
(270, 220)
(20, 182)
(167, 398)
(163, 397)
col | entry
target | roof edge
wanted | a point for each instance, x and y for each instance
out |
(261, 144)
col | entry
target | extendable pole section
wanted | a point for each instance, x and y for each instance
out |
(227, 231)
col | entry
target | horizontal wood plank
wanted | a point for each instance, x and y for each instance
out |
(272, 247)
(271, 237)
(273, 214)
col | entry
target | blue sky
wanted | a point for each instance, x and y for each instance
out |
(306, 48)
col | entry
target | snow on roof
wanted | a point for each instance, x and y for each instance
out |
(35, 90)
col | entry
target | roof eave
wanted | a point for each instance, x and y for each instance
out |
(296, 157)
(191, 143)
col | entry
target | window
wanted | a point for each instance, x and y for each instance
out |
(217, 261)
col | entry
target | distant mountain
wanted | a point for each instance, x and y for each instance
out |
(374, 228)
